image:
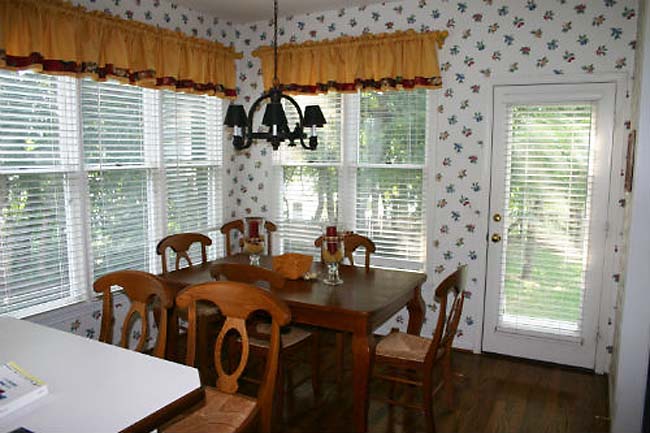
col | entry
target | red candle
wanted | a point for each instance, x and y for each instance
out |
(332, 247)
(330, 231)
(253, 229)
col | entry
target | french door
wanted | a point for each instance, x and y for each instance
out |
(550, 173)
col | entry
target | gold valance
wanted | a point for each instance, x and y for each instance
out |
(374, 61)
(55, 37)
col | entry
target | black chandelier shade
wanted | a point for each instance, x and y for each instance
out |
(235, 116)
(274, 116)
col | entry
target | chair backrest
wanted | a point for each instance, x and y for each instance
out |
(237, 301)
(247, 274)
(351, 242)
(142, 289)
(447, 324)
(180, 243)
(238, 226)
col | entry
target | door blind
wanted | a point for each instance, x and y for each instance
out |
(548, 195)
(39, 228)
(118, 156)
(191, 127)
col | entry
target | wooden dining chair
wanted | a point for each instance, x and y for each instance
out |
(411, 359)
(351, 242)
(237, 226)
(294, 338)
(223, 409)
(180, 244)
(142, 289)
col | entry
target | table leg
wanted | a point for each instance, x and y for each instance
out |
(362, 350)
(416, 312)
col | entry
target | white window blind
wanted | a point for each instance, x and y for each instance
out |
(309, 184)
(548, 185)
(391, 159)
(366, 175)
(39, 224)
(192, 129)
(84, 178)
(117, 157)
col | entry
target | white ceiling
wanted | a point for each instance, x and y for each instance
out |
(245, 11)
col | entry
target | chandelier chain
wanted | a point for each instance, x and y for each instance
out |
(275, 42)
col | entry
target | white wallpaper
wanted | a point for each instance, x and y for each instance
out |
(488, 40)
(85, 319)
(165, 14)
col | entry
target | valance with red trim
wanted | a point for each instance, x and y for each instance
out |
(55, 37)
(400, 60)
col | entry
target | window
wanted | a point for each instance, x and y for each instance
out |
(192, 160)
(117, 156)
(368, 175)
(92, 175)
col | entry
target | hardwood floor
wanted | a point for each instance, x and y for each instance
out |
(496, 394)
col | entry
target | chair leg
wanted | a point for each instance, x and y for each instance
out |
(202, 346)
(315, 365)
(448, 380)
(427, 389)
(290, 388)
(279, 384)
(340, 356)
(392, 385)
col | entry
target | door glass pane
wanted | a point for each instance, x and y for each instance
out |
(547, 212)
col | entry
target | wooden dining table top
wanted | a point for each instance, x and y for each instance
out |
(373, 292)
(365, 300)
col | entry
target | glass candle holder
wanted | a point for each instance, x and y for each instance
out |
(332, 253)
(253, 239)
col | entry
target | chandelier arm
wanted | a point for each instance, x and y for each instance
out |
(250, 135)
(299, 131)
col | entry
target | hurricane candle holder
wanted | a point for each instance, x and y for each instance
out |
(253, 240)
(332, 253)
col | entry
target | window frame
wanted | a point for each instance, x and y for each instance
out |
(74, 170)
(348, 166)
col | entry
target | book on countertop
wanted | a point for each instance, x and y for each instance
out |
(18, 388)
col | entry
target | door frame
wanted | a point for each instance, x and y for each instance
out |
(609, 290)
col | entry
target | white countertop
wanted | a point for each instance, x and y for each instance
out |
(93, 387)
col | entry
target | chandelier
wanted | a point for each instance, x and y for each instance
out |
(274, 116)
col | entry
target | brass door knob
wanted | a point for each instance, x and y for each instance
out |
(496, 238)
(497, 217)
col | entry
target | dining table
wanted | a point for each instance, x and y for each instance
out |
(365, 300)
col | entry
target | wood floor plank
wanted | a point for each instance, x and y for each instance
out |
(496, 394)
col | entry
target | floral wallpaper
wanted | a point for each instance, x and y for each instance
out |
(488, 39)
(85, 318)
(165, 14)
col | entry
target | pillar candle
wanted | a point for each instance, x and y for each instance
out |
(254, 229)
